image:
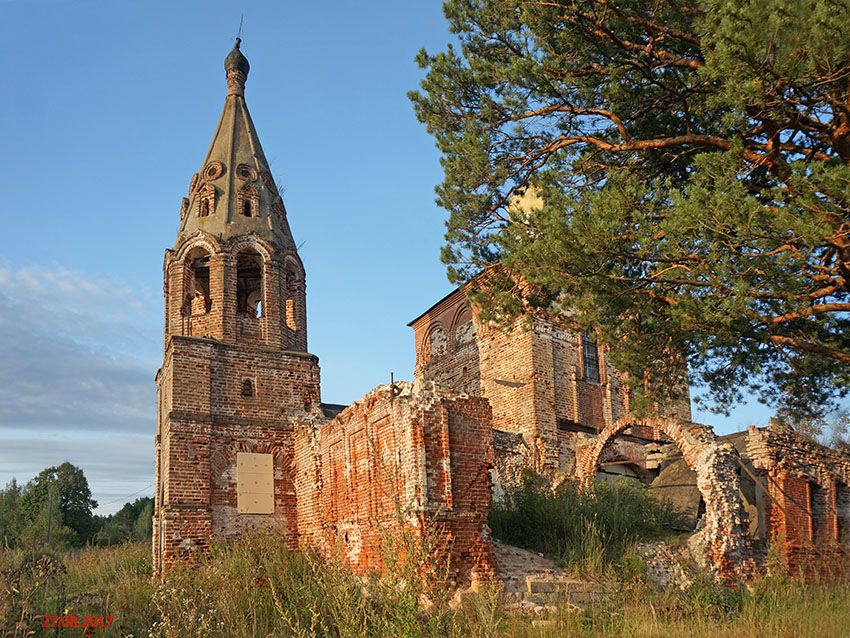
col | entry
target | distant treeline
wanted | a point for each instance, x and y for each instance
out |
(56, 507)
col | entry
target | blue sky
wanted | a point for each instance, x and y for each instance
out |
(108, 109)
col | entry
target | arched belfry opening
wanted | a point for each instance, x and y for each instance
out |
(249, 283)
(198, 298)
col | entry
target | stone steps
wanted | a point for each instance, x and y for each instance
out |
(534, 584)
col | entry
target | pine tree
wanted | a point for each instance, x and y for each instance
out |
(688, 163)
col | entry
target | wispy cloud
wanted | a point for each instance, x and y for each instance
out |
(103, 314)
(77, 359)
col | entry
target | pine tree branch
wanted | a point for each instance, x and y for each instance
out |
(808, 312)
(813, 348)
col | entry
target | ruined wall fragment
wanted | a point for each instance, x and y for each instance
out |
(722, 543)
(399, 462)
(808, 501)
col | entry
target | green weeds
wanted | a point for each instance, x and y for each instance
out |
(589, 530)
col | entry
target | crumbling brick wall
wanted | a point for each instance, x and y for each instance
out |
(398, 462)
(511, 458)
(808, 507)
(532, 374)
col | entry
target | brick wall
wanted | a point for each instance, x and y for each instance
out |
(204, 421)
(807, 503)
(532, 374)
(398, 462)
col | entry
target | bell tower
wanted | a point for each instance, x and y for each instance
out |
(236, 374)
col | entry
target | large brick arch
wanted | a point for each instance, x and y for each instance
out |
(251, 242)
(199, 240)
(721, 543)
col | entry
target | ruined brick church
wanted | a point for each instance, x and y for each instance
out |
(245, 443)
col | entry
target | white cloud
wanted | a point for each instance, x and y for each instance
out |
(77, 360)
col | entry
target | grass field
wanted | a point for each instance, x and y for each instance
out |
(258, 588)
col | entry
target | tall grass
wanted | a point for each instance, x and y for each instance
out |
(256, 587)
(588, 529)
(87, 582)
(246, 588)
(777, 606)
(260, 588)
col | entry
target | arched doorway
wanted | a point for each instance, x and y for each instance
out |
(722, 543)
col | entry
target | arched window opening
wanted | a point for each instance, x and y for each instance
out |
(590, 358)
(248, 201)
(247, 387)
(249, 283)
(206, 200)
(198, 288)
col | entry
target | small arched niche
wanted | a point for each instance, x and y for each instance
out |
(248, 201)
(294, 290)
(249, 283)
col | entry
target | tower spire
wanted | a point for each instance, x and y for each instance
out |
(234, 192)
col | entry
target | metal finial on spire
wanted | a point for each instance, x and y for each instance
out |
(236, 65)
(239, 34)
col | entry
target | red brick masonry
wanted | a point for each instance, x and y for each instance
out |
(809, 505)
(399, 461)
